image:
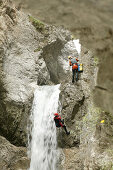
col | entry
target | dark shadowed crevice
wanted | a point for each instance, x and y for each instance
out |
(11, 126)
(101, 88)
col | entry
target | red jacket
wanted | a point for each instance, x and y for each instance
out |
(57, 120)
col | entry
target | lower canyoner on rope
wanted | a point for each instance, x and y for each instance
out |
(43, 135)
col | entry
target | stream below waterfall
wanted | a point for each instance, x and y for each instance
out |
(43, 143)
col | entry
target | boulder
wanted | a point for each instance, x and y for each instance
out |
(12, 157)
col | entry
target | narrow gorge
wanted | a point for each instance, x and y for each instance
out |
(36, 82)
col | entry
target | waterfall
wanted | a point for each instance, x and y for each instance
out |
(43, 142)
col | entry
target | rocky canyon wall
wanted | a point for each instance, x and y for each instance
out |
(33, 53)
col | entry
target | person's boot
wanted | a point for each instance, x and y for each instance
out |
(67, 133)
(73, 80)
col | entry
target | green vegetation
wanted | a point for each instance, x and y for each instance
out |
(37, 24)
(96, 60)
(38, 49)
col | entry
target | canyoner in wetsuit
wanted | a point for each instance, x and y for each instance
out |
(74, 63)
(60, 123)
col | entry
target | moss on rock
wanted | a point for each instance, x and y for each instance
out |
(39, 25)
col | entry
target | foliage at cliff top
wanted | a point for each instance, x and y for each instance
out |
(37, 24)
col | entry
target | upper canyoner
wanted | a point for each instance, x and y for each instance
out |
(33, 55)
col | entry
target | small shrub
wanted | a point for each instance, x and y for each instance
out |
(37, 23)
(96, 61)
(38, 49)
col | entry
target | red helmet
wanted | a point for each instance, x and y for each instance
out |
(56, 114)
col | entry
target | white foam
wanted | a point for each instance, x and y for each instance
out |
(43, 143)
(77, 45)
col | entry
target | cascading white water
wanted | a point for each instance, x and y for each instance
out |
(43, 143)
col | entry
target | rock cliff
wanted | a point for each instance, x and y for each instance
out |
(34, 53)
(91, 22)
(12, 157)
(23, 65)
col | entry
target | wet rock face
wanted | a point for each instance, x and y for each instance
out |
(12, 157)
(24, 64)
(73, 108)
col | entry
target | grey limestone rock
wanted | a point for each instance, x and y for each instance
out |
(12, 157)
(29, 56)
(33, 53)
